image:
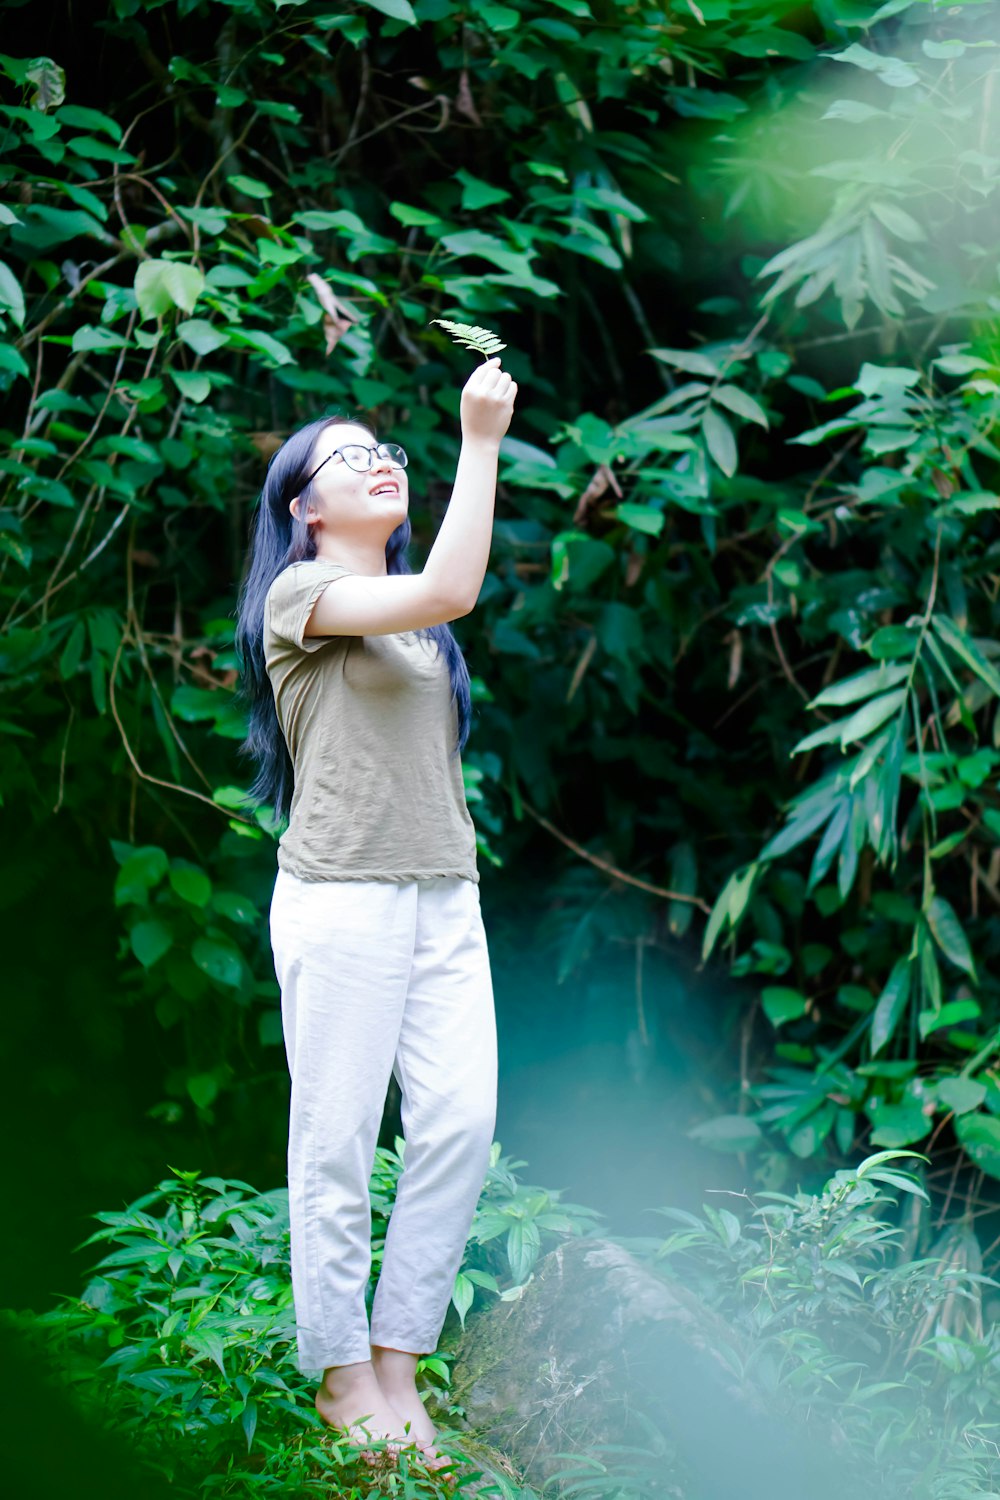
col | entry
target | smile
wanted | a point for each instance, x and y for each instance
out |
(387, 485)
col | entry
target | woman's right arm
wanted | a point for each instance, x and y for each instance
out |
(449, 584)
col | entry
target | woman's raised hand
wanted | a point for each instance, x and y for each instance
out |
(487, 403)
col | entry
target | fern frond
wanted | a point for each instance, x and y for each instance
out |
(483, 340)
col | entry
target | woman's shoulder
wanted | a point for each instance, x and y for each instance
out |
(293, 573)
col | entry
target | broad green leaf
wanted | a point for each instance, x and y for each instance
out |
(201, 336)
(720, 441)
(192, 384)
(11, 295)
(203, 1089)
(642, 517)
(143, 869)
(161, 285)
(399, 10)
(190, 882)
(220, 960)
(11, 359)
(781, 1005)
(728, 1133)
(897, 1124)
(960, 1094)
(96, 339)
(979, 1134)
(892, 642)
(739, 402)
(264, 343)
(49, 80)
(952, 1014)
(150, 940)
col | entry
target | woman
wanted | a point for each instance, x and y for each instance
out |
(359, 708)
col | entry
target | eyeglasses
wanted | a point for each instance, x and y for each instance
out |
(356, 456)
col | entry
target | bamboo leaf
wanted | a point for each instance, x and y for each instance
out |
(890, 1005)
(966, 648)
(949, 935)
(861, 685)
(856, 725)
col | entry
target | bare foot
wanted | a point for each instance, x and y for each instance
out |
(401, 1390)
(350, 1398)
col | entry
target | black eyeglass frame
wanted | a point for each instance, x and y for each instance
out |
(376, 450)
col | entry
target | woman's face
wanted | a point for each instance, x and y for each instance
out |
(365, 505)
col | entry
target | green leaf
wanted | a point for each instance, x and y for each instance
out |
(960, 1094)
(728, 1133)
(720, 441)
(11, 295)
(203, 1089)
(949, 936)
(898, 221)
(80, 118)
(966, 649)
(952, 1014)
(150, 940)
(161, 285)
(95, 339)
(686, 359)
(897, 1124)
(644, 518)
(739, 402)
(192, 384)
(399, 10)
(219, 959)
(891, 642)
(730, 905)
(478, 194)
(256, 338)
(979, 1134)
(861, 685)
(856, 725)
(200, 336)
(190, 882)
(781, 1005)
(11, 359)
(50, 83)
(890, 1006)
(250, 187)
(143, 869)
(802, 825)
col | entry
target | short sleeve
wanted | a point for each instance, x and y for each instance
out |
(292, 597)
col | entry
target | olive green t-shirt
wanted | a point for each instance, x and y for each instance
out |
(370, 726)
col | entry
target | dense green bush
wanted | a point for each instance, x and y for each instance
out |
(183, 1338)
(845, 1316)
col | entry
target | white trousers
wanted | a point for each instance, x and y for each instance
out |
(380, 978)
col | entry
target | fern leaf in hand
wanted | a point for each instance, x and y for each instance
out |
(483, 340)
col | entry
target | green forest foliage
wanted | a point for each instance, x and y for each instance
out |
(828, 1320)
(738, 639)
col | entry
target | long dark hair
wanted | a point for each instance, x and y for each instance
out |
(278, 539)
